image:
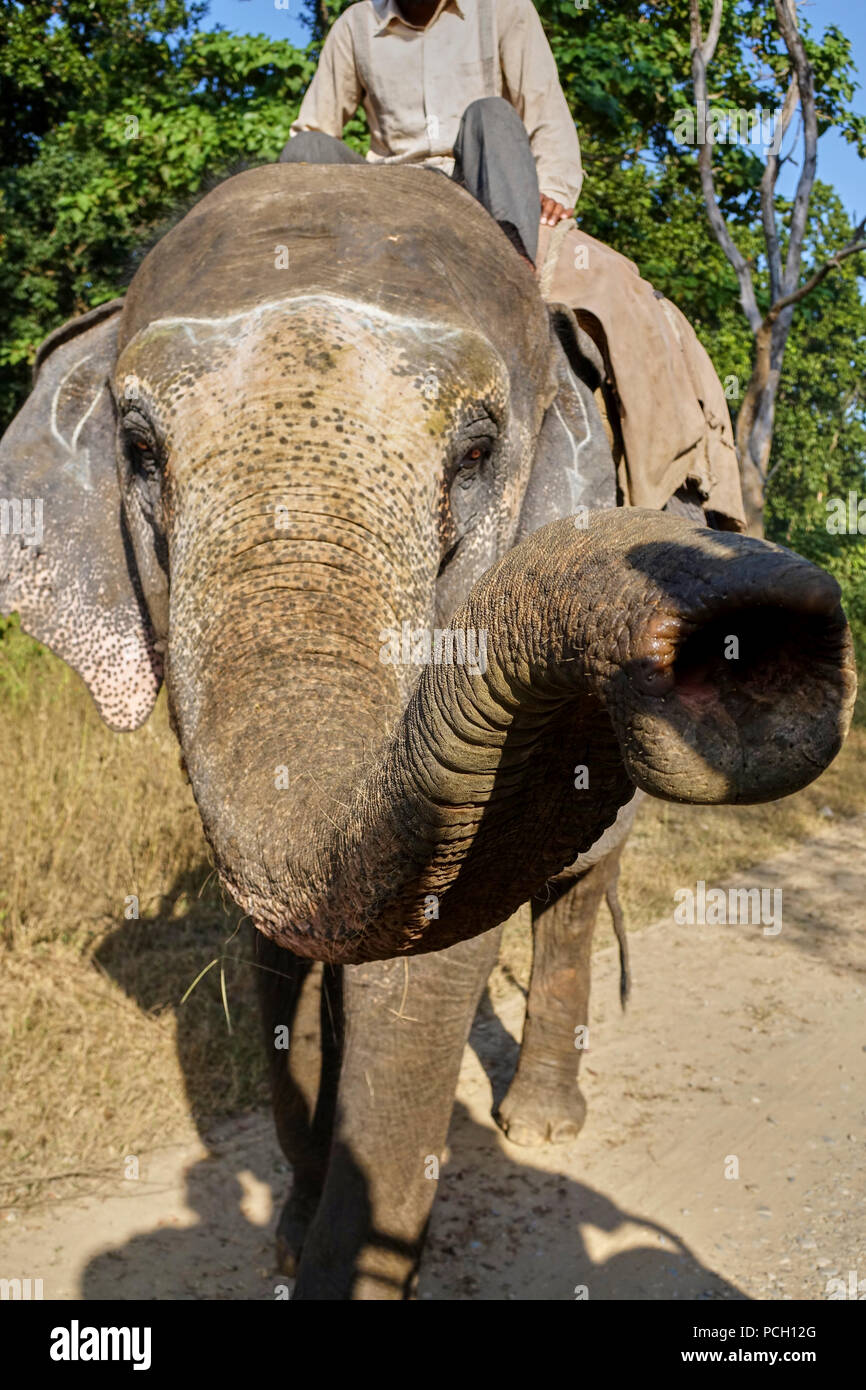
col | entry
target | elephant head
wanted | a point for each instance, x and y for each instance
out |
(327, 442)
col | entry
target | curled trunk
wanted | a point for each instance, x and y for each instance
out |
(644, 650)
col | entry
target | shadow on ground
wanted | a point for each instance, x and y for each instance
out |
(502, 1228)
(157, 959)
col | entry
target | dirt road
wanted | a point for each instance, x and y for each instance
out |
(723, 1156)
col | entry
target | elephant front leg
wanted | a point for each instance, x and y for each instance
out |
(544, 1103)
(301, 1011)
(406, 1024)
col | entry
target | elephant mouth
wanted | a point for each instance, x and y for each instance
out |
(760, 661)
(744, 685)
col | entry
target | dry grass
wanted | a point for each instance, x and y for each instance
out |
(100, 1059)
(673, 846)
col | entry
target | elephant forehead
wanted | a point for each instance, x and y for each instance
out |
(308, 340)
(396, 237)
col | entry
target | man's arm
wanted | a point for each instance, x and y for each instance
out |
(335, 91)
(531, 84)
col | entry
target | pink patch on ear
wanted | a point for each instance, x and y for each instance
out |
(122, 671)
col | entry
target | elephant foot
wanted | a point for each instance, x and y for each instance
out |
(529, 1117)
(292, 1227)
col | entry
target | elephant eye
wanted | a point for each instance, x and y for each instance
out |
(472, 460)
(140, 446)
(143, 457)
(470, 472)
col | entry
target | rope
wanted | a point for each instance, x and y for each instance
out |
(554, 246)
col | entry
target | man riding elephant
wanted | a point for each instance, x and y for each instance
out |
(470, 87)
(496, 121)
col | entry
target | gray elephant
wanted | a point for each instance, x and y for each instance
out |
(324, 470)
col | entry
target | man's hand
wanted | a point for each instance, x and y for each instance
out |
(553, 212)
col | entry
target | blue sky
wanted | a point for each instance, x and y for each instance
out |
(260, 17)
(838, 162)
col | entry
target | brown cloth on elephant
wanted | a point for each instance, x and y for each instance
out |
(670, 406)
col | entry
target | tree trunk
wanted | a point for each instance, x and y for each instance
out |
(756, 418)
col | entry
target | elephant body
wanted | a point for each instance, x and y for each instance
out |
(333, 408)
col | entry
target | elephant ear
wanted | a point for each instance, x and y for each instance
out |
(66, 562)
(573, 467)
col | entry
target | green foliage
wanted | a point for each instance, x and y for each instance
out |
(112, 114)
(819, 450)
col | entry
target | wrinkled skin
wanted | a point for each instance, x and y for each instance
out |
(544, 1103)
(313, 448)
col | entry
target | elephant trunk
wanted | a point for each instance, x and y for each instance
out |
(643, 650)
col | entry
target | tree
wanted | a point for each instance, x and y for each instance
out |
(771, 325)
(819, 441)
(114, 114)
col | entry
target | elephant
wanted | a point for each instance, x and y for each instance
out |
(544, 1103)
(333, 472)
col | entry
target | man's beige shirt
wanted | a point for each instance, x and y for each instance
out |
(415, 84)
